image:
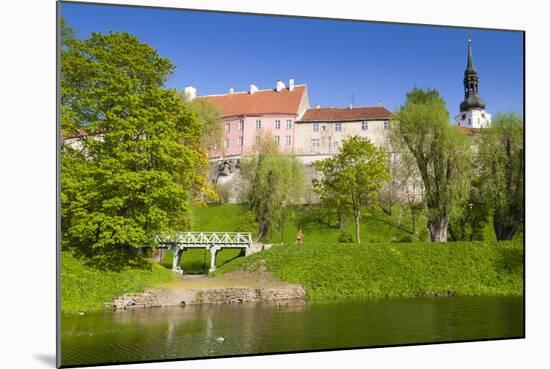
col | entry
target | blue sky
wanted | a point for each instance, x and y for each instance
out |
(337, 59)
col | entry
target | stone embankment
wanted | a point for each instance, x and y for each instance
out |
(160, 298)
(265, 288)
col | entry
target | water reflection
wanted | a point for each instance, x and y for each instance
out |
(191, 331)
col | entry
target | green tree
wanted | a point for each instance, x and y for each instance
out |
(470, 222)
(209, 117)
(67, 33)
(503, 169)
(137, 160)
(442, 155)
(352, 179)
(271, 180)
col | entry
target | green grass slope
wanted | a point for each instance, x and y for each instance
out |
(380, 270)
(87, 289)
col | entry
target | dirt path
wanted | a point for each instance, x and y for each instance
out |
(235, 279)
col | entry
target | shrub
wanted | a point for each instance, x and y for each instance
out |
(345, 237)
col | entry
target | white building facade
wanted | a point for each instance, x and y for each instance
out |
(321, 131)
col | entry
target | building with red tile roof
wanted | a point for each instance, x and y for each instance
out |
(320, 131)
(248, 115)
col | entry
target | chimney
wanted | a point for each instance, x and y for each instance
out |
(253, 88)
(291, 84)
(280, 86)
(231, 90)
(351, 105)
(190, 92)
(317, 106)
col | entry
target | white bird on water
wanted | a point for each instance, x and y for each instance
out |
(220, 339)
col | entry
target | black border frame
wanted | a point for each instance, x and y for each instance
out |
(58, 184)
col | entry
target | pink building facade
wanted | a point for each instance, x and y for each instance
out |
(241, 133)
(250, 114)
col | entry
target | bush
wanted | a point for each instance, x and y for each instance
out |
(407, 238)
(345, 237)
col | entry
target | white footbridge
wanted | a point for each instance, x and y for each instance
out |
(211, 241)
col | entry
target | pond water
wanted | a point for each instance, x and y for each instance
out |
(189, 332)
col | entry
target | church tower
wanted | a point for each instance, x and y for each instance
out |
(472, 109)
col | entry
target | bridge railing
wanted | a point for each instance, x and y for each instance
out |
(206, 238)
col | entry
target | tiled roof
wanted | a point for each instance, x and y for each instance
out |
(345, 114)
(260, 102)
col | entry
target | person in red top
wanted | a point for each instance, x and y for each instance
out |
(299, 236)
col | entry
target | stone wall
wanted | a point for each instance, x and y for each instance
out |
(182, 297)
(227, 180)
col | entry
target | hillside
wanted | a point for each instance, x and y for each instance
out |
(380, 270)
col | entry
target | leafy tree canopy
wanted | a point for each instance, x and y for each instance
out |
(271, 180)
(351, 180)
(132, 157)
(67, 33)
(502, 171)
(442, 155)
(209, 118)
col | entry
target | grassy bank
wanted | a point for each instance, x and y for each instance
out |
(379, 270)
(319, 225)
(87, 289)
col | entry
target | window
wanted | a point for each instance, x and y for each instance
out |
(386, 124)
(259, 124)
(227, 127)
(315, 127)
(364, 138)
(277, 124)
(226, 143)
(324, 128)
(241, 125)
(288, 124)
(315, 142)
(257, 140)
(338, 127)
(388, 141)
(240, 140)
(463, 116)
(336, 144)
(287, 141)
(277, 140)
(364, 125)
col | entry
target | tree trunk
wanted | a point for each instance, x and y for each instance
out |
(357, 226)
(413, 221)
(505, 226)
(341, 223)
(438, 228)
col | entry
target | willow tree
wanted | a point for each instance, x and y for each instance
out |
(502, 173)
(441, 153)
(137, 159)
(352, 179)
(270, 180)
